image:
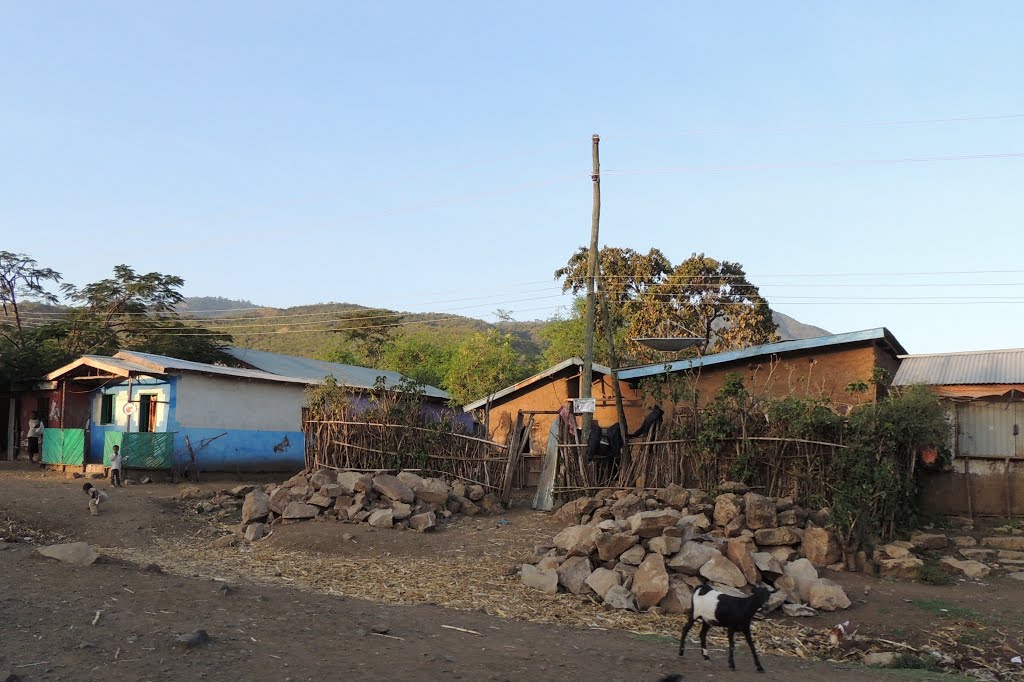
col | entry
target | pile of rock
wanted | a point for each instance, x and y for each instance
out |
(381, 500)
(977, 559)
(648, 551)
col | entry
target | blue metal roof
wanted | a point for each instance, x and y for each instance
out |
(972, 367)
(880, 334)
(164, 364)
(315, 371)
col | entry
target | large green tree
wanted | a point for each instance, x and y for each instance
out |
(28, 344)
(136, 311)
(648, 296)
(425, 357)
(484, 363)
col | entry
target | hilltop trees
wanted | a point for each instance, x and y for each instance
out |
(128, 310)
(648, 297)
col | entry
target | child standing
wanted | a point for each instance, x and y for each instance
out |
(96, 498)
(115, 467)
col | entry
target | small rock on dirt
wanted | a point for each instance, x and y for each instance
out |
(78, 553)
(882, 659)
(192, 640)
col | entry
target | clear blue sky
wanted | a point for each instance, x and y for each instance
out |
(411, 154)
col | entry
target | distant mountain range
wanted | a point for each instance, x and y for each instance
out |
(254, 333)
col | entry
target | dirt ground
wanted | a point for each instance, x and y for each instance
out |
(309, 603)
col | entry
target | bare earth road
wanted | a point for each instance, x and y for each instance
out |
(112, 620)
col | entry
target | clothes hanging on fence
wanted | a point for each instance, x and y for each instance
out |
(653, 417)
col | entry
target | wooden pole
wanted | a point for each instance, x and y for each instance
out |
(614, 362)
(587, 380)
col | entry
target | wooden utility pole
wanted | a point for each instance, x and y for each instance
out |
(587, 380)
(613, 363)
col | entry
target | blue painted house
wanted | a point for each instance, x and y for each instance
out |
(162, 410)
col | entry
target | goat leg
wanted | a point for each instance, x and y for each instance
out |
(732, 648)
(750, 643)
(686, 631)
(704, 627)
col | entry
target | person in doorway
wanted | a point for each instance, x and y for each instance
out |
(35, 434)
(115, 467)
(96, 498)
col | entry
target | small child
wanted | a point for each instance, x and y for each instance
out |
(115, 467)
(96, 497)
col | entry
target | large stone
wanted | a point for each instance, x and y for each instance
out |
(239, 491)
(353, 482)
(410, 479)
(381, 518)
(467, 506)
(968, 569)
(907, 567)
(679, 598)
(578, 540)
(736, 527)
(650, 583)
(978, 553)
(697, 522)
(602, 579)
(963, 541)
(727, 508)
(618, 597)
(545, 580)
(677, 497)
(423, 522)
(573, 574)
(280, 499)
(782, 553)
(787, 518)
(569, 513)
(767, 563)
(475, 492)
(611, 545)
(432, 491)
(321, 477)
(665, 545)
(926, 541)
(633, 556)
(738, 552)
(801, 569)
(776, 536)
(399, 511)
(1013, 543)
(300, 510)
(775, 600)
(321, 501)
(821, 547)
(1010, 555)
(393, 488)
(256, 507)
(627, 506)
(491, 504)
(720, 570)
(790, 589)
(890, 551)
(760, 511)
(692, 557)
(734, 487)
(1018, 575)
(300, 478)
(254, 531)
(826, 595)
(78, 553)
(650, 524)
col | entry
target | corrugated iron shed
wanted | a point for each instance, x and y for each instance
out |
(167, 365)
(975, 367)
(315, 371)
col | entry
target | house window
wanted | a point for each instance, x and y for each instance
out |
(147, 412)
(107, 409)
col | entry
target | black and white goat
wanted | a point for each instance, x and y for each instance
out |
(712, 607)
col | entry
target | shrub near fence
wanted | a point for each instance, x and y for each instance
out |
(389, 431)
(863, 465)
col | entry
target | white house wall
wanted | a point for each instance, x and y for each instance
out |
(204, 402)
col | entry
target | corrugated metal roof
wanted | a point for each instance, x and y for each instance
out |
(314, 371)
(880, 334)
(974, 367)
(598, 369)
(167, 365)
(113, 365)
